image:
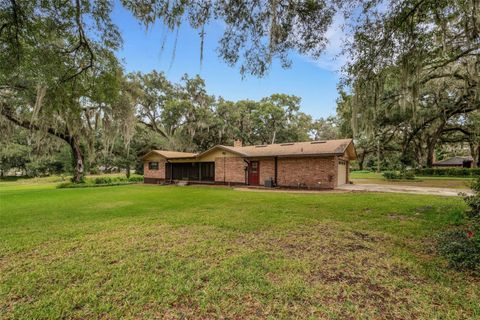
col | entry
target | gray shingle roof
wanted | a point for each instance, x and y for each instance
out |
(454, 161)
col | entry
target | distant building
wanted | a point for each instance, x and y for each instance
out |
(459, 162)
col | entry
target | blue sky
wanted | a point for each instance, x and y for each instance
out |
(314, 81)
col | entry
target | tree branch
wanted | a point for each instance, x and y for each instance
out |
(32, 126)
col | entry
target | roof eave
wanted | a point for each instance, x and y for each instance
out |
(152, 152)
(219, 146)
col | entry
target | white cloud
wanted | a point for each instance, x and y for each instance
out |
(332, 58)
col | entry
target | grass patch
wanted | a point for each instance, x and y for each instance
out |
(142, 251)
(362, 177)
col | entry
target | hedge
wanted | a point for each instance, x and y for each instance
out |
(397, 175)
(102, 182)
(448, 172)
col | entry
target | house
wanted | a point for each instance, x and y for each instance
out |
(312, 164)
(459, 162)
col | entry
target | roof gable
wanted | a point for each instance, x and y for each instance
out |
(321, 148)
(454, 161)
(170, 154)
(308, 148)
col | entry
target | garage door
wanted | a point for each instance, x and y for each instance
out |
(342, 172)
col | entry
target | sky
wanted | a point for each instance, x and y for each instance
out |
(313, 81)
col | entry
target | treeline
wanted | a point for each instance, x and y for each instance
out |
(148, 111)
(410, 92)
(61, 81)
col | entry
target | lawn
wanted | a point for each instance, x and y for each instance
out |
(419, 181)
(144, 251)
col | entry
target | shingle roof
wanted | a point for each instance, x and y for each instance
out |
(308, 148)
(458, 161)
(171, 154)
(323, 148)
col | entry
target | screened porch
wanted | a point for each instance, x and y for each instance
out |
(190, 171)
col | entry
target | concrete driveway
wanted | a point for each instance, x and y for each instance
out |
(404, 189)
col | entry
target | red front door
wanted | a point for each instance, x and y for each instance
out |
(253, 173)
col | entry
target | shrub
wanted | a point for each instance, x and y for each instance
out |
(395, 175)
(461, 245)
(82, 180)
(64, 185)
(409, 175)
(102, 181)
(391, 175)
(136, 179)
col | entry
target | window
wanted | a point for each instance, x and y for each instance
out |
(153, 166)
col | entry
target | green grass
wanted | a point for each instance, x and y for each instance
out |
(143, 251)
(362, 177)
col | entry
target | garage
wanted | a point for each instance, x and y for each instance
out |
(342, 172)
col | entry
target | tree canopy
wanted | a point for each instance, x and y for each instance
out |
(409, 91)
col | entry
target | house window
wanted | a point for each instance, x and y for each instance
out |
(153, 166)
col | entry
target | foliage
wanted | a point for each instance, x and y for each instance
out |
(107, 179)
(397, 175)
(58, 72)
(461, 245)
(187, 118)
(411, 84)
(460, 249)
(101, 181)
(391, 175)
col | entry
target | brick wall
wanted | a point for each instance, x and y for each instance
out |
(229, 169)
(157, 174)
(267, 170)
(307, 170)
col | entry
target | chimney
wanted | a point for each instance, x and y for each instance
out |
(237, 143)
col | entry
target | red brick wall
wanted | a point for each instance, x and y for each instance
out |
(307, 170)
(267, 170)
(158, 174)
(229, 169)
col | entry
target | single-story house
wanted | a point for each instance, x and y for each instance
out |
(312, 164)
(458, 162)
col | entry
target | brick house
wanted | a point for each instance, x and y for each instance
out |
(312, 164)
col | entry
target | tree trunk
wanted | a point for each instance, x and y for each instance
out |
(361, 160)
(430, 154)
(127, 170)
(475, 153)
(379, 156)
(78, 160)
(432, 143)
(65, 136)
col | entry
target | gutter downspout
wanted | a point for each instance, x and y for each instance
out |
(276, 171)
(171, 171)
(246, 171)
